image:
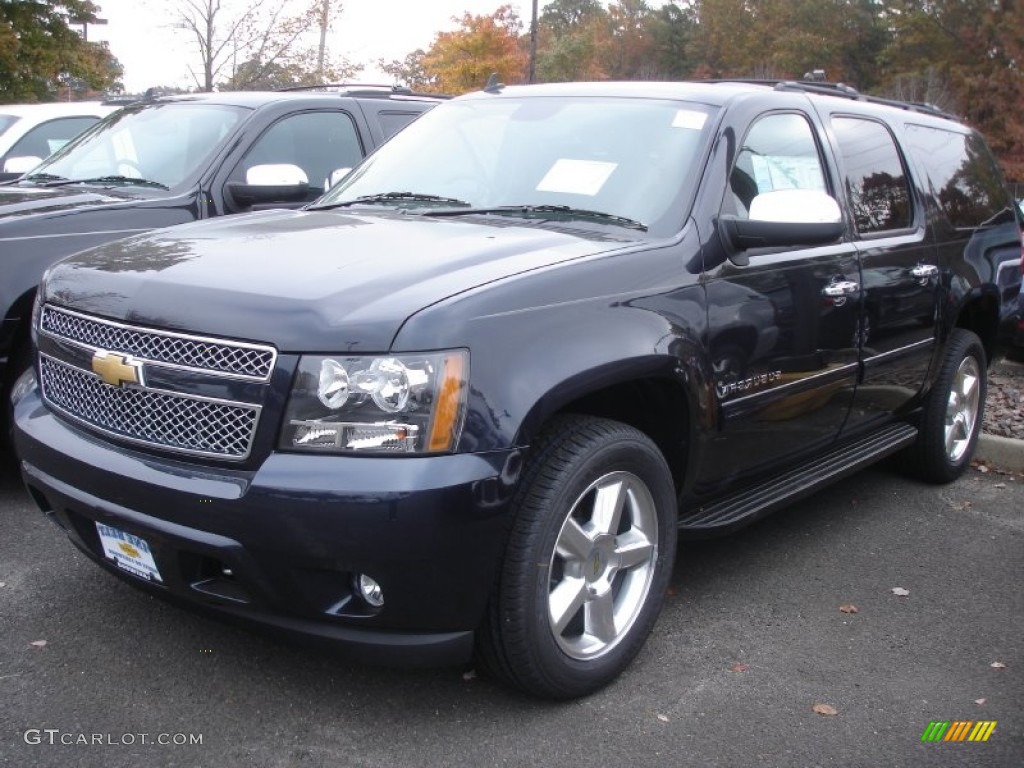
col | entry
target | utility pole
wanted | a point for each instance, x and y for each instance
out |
(533, 44)
(324, 15)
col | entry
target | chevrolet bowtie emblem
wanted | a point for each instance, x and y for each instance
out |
(116, 370)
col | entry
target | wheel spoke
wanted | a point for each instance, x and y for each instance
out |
(608, 503)
(599, 617)
(564, 602)
(633, 548)
(573, 542)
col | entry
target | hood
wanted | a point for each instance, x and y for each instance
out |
(307, 281)
(17, 201)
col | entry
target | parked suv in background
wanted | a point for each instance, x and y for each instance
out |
(176, 159)
(468, 398)
(31, 132)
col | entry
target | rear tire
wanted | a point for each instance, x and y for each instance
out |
(588, 560)
(953, 412)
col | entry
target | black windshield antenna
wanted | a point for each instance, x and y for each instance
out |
(493, 86)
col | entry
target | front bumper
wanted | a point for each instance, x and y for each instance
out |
(280, 546)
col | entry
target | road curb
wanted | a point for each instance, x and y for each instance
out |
(1003, 453)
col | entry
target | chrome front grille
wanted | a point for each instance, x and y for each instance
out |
(217, 356)
(178, 422)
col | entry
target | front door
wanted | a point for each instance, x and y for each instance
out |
(782, 322)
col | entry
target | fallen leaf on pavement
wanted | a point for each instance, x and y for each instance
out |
(737, 667)
(825, 709)
(900, 591)
(999, 485)
(469, 675)
(663, 718)
(848, 608)
(979, 702)
(997, 665)
(38, 643)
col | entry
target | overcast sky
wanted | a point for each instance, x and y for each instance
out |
(153, 53)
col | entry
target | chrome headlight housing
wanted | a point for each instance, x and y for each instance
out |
(405, 403)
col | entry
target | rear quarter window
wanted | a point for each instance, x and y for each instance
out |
(392, 122)
(963, 174)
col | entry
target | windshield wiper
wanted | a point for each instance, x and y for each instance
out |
(393, 197)
(546, 210)
(42, 177)
(113, 179)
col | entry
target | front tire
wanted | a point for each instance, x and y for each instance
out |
(953, 412)
(588, 560)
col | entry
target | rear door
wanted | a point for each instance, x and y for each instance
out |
(900, 286)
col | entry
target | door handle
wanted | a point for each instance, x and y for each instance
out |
(840, 288)
(924, 271)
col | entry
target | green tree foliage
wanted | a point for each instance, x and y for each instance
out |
(40, 53)
(570, 34)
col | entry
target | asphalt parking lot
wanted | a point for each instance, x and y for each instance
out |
(93, 673)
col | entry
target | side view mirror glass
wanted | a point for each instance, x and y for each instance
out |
(21, 164)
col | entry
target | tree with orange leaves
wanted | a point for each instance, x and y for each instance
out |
(462, 60)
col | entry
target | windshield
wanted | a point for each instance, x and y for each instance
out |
(162, 143)
(627, 157)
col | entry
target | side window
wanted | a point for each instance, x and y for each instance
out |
(46, 138)
(876, 182)
(963, 174)
(779, 152)
(317, 142)
(392, 122)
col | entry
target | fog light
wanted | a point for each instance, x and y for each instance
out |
(370, 591)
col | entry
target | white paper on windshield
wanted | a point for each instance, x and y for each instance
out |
(576, 177)
(54, 144)
(687, 118)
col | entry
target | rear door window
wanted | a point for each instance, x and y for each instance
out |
(874, 175)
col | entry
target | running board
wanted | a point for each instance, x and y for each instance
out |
(756, 501)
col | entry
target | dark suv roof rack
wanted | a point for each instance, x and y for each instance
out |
(842, 90)
(365, 89)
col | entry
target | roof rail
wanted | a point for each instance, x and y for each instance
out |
(842, 90)
(365, 89)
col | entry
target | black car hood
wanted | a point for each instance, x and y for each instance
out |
(310, 281)
(18, 201)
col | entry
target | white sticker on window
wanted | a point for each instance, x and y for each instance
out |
(54, 144)
(576, 177)
(687, 118)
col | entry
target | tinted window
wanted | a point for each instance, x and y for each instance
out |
(392, 122)
(875, 180)
(962, 172)
(317, 142)
(779, 152)
(46, 138)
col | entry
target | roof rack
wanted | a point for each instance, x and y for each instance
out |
(841, 90)
(365, 89)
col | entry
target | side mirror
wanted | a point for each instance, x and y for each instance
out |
(21, 164)
(786, 217)
(277, 183)
(336, 175)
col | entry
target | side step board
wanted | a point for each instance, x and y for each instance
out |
(756, 501)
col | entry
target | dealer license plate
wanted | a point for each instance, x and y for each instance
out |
(130, 553)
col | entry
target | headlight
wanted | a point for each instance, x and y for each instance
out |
(381, 404)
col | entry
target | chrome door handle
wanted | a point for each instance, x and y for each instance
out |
(839, 288)
(924, 270)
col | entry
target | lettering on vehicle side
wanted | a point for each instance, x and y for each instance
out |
(727, 389)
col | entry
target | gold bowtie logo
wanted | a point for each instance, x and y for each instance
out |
(116, 370)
